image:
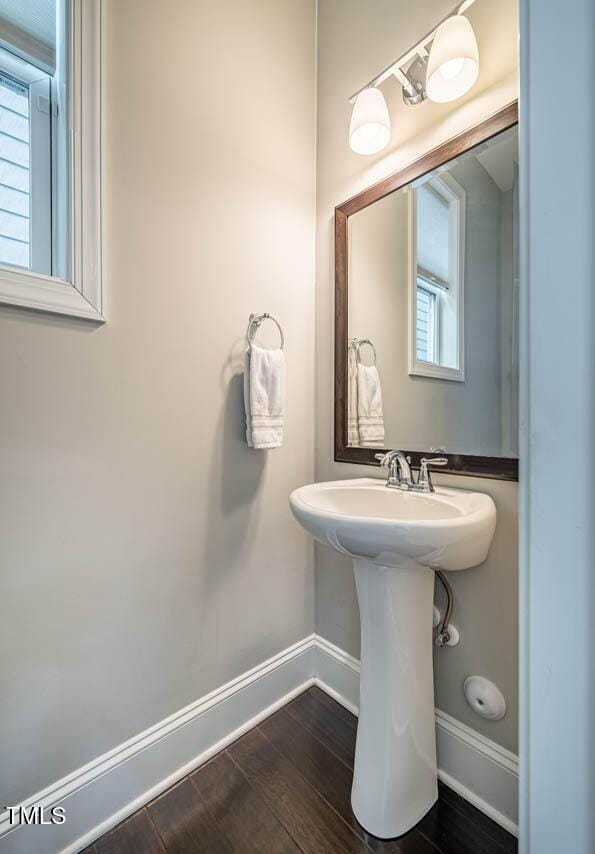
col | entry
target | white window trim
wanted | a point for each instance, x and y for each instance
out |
(40, 186)
(83, 295)
(455, 193)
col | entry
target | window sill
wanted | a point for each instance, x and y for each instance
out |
(438, 372)
(45, 293)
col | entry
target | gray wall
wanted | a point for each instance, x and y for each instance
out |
(148, 556)
(355, 41)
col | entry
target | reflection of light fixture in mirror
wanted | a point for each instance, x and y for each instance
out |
(369, 129)
(453, 66)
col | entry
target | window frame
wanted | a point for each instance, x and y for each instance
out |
(40, 187)
(449, 188)
(82, 294)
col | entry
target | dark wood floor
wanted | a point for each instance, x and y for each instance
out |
(284, 787)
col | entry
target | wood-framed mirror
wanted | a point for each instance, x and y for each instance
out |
(426, 308)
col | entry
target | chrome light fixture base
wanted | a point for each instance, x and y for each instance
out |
(412, 67)
(414, 85)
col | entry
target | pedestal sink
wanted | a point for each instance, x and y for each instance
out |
(396, 539)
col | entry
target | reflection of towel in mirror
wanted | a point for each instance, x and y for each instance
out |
(369, 407)
(352, 425)
(264, 397)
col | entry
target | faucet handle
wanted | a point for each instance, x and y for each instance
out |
(433, 461)
(425, 478)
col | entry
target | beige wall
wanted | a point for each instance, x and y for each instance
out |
(148, 556)
(355, 41)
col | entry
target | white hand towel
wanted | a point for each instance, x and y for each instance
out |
(369, 407)
(264, 397)
(352, 424)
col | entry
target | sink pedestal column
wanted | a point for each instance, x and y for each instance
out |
(394, 780)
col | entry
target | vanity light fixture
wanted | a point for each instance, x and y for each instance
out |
(369, 129)
(453, 66)
(442, 67)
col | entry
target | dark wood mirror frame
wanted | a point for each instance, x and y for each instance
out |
(504, 468)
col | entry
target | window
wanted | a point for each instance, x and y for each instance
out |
(51, 155)
(437, 226)
(25, 166)
(433, 236)
(426, 329)
(15, 238)
(29, 115)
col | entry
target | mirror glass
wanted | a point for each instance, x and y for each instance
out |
(433, 309)
(34, 137)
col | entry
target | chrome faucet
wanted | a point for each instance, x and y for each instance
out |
(400, 475)
(399, 469)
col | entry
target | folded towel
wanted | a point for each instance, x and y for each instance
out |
(352, 425)
(369, 407)
(264, 397)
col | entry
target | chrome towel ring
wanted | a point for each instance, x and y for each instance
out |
(359, 342)
(255, 321)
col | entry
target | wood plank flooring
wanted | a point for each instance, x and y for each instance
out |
(284, 787)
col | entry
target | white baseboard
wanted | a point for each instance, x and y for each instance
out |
(113, 786)
(475, 767)
(110, 788)
(337, 673)
(479, 770)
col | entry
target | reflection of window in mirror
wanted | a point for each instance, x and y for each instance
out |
(437, 226)
(33, 138)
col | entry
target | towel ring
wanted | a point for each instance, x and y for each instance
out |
(359, 344)
(254, 322)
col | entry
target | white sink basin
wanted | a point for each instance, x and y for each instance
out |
(395, 539)
(447, 529)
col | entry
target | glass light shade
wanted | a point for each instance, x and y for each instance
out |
(453, 66)
(369, 130)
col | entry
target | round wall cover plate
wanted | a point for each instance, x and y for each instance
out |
(484, 697)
